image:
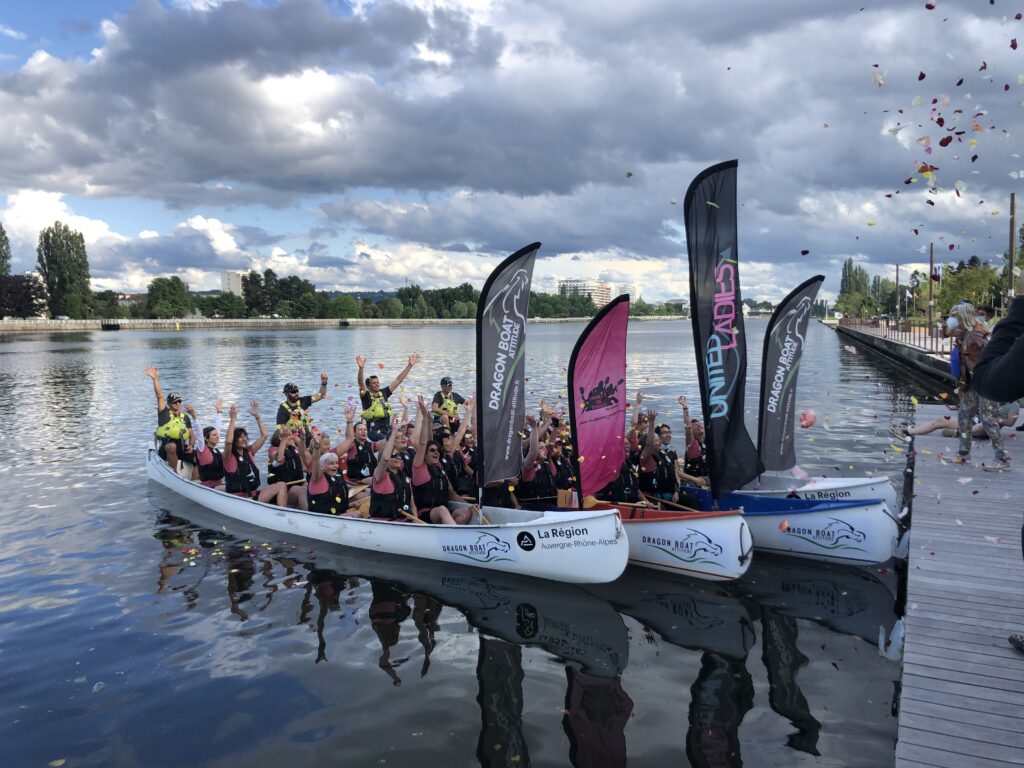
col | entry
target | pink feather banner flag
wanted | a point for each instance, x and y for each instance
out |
(597, 391)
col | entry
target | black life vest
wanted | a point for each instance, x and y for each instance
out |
(542, 486)
(362, 465)
(245, 478)
(470, 458)
(434, 493)
(387, 505)
(453, 467)
(333, 501)
(407, 456)
(564, 478)
(698, 466)
(623, 488)
(289, 470)
(665, 471)
(215, 469)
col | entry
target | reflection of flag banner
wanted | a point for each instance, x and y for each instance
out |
(597, 387)
(500, 366)
(937, 274)
(718, 333)
(780, 365)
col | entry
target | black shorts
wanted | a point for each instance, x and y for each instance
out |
(183, 455)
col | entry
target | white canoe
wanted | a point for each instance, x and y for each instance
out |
(839, 532)
(587, 547)
(825, 488)
(715, 546)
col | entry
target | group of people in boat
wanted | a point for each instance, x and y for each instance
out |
(417, 465)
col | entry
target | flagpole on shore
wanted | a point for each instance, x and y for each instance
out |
(1013, 247)
(931, 272)
(897, 294)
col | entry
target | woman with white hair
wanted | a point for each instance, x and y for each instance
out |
(327, 490)
(971, 336)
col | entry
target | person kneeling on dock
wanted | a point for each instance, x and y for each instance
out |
(391, 491)
(431, 486)
(242, 476)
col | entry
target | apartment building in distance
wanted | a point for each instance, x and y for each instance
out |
(231, 282)
(599, 291)
(631, 288)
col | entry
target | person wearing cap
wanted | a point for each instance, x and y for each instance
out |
(174, 428)
(447, 402)
(377, 412)
(292, 411)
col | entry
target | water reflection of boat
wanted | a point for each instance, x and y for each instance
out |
(847, 599)
(560, 618)
(684, 612)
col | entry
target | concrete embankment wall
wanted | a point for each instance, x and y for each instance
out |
(931, 365)
(58, 326)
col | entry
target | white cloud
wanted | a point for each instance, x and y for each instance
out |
(12, 33)
(216, 230)
(28, 211)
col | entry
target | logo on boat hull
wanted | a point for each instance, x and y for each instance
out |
(835, 535)
(527, 621)
(486, 548)
(526, 541)
(694, 547)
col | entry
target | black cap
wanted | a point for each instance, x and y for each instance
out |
(174, 397)
(289, 387)
(446, 381)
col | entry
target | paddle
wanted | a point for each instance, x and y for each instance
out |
(412, 517)
(590, 501)
(672, 504)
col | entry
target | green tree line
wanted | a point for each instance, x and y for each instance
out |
(862, 295)
(64, 290)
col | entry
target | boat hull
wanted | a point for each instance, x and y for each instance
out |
(711, 546)
(583, 547)
(825, 488)
(855, 532)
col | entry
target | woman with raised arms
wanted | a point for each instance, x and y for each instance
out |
(431, 487)
(242, 476)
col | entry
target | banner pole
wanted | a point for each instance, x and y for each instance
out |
(931, 271)
(1013, 248)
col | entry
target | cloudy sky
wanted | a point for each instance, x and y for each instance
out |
(365, 144)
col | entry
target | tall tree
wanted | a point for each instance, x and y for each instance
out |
(22, 295)
(252, 292)
(169, 297)
(64, 266)
(5, 252)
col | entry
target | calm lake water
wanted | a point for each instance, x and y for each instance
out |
(135, 629)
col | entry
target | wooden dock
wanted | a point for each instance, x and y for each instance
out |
(962, 700)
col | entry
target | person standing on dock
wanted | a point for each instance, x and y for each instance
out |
(972, 337)
(377, 412)
(997, 375)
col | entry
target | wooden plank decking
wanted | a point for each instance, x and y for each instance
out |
(962, 701)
